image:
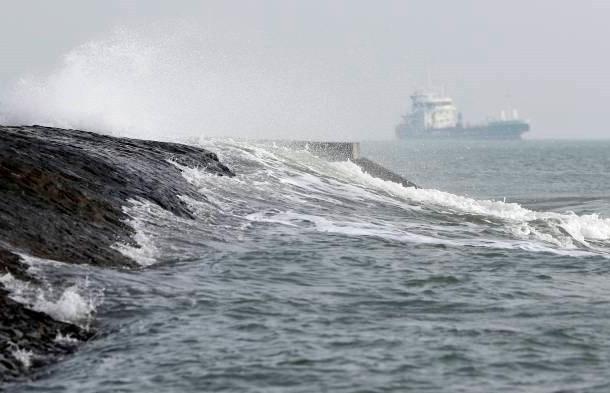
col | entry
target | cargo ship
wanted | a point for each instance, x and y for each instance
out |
(435, 116)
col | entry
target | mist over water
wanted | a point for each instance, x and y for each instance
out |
(173, 82)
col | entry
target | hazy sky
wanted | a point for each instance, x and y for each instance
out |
(548, 58)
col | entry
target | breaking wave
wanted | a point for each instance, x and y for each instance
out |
(520, 220)
(279, 190)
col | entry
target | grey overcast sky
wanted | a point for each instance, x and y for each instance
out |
(548, 58)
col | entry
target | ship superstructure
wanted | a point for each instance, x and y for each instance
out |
(435, 115)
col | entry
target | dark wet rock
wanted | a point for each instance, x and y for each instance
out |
(61, 191)
(61, 197)
(12, 264)
(378, 171)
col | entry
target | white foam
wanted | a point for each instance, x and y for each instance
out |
(24, 356)
(146, 252)
(65, 340)
(580, 228)
(299, 190)
(71, 306)
(76, 304)
(303, 181)
(391, 232)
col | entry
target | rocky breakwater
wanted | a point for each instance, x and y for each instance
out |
(62, 194)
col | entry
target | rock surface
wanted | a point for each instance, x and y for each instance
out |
(62, 190)
(61, 198)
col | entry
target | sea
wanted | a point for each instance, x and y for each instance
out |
(303, 275)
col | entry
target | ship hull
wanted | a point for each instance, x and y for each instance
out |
(499, 130)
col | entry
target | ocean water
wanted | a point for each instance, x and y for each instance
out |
(302, 275)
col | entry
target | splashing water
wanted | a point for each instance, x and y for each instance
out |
(71, 306)
(24, 356)
(75, 304)
(278, 186)
(171, 84)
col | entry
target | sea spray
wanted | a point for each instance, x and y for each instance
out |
(170, 83)
(71, 306)
(75, 304)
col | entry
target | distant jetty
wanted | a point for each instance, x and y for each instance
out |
(347, 151)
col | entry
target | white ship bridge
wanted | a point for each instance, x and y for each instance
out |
(432, 111)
